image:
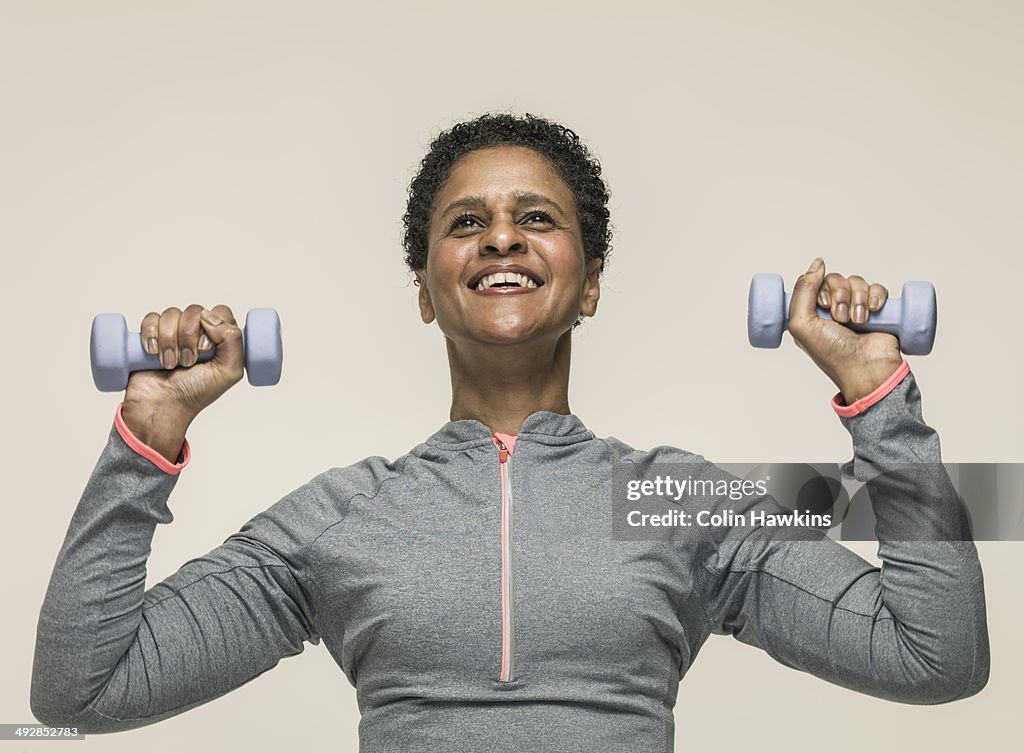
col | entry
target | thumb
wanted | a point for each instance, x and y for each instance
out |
(803, 303)
(226, 337)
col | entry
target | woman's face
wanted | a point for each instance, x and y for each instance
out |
(505, 210)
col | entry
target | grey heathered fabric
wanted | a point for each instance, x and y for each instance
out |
(396, 567)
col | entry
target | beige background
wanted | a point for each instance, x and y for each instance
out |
(258, 153)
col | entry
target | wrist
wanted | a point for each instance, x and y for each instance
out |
(160, 427)
(866, 381)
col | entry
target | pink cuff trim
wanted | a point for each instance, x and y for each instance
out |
(148, 452)
(859, 406)
(509, 441)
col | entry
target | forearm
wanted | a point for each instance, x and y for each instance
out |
(931, 579)
(93, 605)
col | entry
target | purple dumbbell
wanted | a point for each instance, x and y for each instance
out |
(115, 352)
(911, 317)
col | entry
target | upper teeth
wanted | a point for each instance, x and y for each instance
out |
(507, 277)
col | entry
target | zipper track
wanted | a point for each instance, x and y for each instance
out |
(505, 674)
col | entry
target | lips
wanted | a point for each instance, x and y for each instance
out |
(505, 277)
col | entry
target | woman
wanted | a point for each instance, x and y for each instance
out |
(470, 589)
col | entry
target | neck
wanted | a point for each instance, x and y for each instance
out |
(500, 385)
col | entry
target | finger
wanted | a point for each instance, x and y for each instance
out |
(858, 299)
(877, 296)
(222, 312)
(148, 331)
(188, 334)
(839, 288)
(167, 337)
(805, 292)
(823, 296)
(226, 337)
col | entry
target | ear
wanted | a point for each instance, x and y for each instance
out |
(426, 306)
(591, 288)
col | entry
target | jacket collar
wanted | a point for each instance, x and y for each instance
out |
(543, 427)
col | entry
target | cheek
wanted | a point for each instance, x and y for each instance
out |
(567, 267)
(444, 274)
(439, 268)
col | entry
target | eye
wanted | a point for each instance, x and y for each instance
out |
(461, 222)
(539, 216)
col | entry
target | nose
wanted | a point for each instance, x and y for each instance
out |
(503, 237)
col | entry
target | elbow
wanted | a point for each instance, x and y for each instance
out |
(953, 687)
(61, 694)
(950, 664)
(52, 706)
(971, 669)
(972, 680)
(951, 669)
(960, 677)
(47, 697)
(55, 704)
(50, 709)
(54, 711)
(50, 696)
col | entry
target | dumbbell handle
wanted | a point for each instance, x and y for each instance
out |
(140, 360)
(886, 319)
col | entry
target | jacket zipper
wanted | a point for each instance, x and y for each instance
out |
(505, 674)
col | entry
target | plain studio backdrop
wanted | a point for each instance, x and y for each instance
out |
(258, 154)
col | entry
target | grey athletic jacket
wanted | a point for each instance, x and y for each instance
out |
(472, 592)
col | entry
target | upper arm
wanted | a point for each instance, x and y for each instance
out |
(911, 631)
(219, 621)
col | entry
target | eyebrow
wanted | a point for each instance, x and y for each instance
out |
(521, 197)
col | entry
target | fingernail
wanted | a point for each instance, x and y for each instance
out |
(210, 317)
(873, 303)
(204, 342)
(826, 301)
(815, 264)
(168, 360)
(842, 311)
(859, 314)
(152, 346)
(187, 358)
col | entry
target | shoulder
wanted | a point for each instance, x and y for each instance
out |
(300, 516)
(642, 458)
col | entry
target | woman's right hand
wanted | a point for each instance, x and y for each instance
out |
(160, 404)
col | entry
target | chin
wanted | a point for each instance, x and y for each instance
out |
(506, 333)
(513, 329)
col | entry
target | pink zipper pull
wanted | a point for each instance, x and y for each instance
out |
(505, 444)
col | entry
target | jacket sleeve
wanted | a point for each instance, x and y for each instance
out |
(913, 630)
(111, 655)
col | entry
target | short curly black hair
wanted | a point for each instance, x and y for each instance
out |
(570, 158)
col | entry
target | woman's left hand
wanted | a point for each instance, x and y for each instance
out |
(858, 363)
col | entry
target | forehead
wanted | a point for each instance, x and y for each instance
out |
(501, 170)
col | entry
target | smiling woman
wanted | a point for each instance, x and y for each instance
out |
(471, 589)
(507, 265)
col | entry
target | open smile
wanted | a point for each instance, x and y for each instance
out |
(505, 279)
